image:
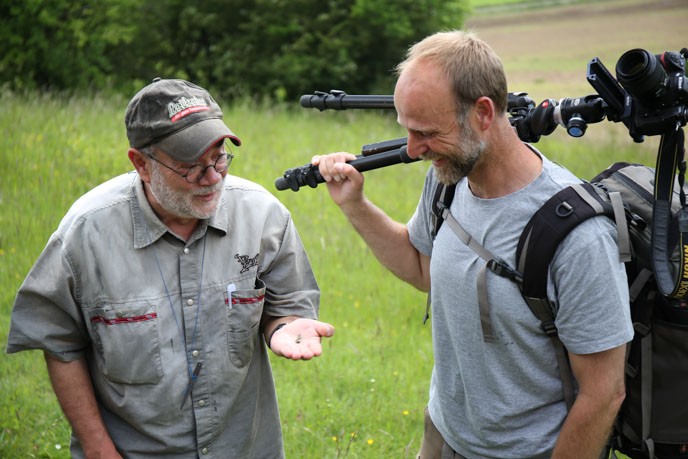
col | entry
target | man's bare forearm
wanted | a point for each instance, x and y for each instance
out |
(389, 242)
(72, 385)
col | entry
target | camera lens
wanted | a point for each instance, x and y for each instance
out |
(640, 73)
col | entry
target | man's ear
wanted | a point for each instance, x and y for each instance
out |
(485, 112)
(141, 163)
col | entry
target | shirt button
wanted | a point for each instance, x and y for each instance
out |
(195, 353)
(189, 302)
(204, 451)
(186, 250)
(201, 403)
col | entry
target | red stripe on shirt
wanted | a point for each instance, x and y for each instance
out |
(124, 320)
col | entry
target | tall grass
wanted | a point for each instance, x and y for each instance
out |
(365, 396)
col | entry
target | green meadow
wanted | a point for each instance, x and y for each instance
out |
(364, 397)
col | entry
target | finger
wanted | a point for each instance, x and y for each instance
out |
(327, 165)
(324, 329)
(286, 347)
(303, 348)
(324, 164)
(315, 348)
(311, 348)
(348, 172)
(311, 328)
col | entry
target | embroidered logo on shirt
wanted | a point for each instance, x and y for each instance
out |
(246, 262)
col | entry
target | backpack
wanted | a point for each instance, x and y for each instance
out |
(653, 420)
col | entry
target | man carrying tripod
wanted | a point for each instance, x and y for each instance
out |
(499, 398)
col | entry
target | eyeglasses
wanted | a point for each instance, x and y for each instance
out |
(194, 173)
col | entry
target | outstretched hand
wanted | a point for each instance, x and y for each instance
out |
(300, 339)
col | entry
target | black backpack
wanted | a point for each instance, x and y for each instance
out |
(653, 421)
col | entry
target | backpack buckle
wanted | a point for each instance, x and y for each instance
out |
(501, 268)
(549, 328)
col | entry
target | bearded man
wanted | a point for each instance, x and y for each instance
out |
(498, 398)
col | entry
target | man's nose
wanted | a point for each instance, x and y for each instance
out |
(414, 146)
(210, 176)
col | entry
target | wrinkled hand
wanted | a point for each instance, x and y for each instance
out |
(300, 339)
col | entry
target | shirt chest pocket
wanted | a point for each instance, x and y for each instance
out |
(244, 310)
(127, 343)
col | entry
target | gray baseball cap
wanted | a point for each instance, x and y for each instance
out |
(177, 116)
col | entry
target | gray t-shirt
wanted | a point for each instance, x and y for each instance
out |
(145, 308)
(504, 399)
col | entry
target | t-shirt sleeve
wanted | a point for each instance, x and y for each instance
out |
(592, 289)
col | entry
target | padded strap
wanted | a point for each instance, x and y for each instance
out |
(548, 227)
(537, 245)
(444, 195)
(669, 160)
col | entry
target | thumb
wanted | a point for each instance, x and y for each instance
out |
(324, 329)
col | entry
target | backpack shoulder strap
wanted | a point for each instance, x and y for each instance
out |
(442, 199)
(552, 223)
(539, 241)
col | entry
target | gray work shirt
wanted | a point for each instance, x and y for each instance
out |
(145, 308)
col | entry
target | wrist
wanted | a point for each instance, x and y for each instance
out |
(272, 333)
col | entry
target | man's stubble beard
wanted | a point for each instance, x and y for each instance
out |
(180, 203)
(462, 160)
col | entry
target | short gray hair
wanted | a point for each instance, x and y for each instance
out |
(471, 66)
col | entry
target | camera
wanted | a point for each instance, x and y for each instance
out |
(649, 96)
(657, 84)
(655, 81)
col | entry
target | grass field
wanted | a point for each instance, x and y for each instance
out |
(364, 398)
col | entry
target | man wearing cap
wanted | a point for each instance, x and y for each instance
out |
(156, 298)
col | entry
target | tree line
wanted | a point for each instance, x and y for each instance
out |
(260, 49)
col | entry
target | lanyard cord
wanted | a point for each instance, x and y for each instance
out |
(174, 314)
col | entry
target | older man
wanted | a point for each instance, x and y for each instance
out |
(150, 299)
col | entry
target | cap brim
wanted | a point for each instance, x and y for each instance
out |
(191, 143)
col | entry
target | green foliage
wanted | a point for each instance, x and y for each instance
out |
(263, 49)
(61, 44)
